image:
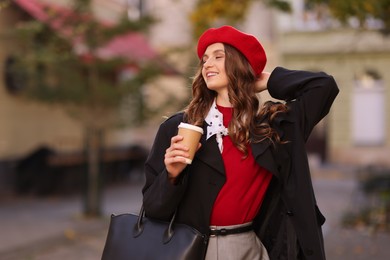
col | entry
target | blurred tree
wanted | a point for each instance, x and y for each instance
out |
(362, 10)
(4, 4)
(207, 12)
(59, 62)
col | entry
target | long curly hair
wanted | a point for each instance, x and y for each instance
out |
(244, 126)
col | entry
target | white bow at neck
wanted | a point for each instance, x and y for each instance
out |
(214, 120)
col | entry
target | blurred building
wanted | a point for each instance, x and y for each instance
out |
(27, 127)
(357, 130)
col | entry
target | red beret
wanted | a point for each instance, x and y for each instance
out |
(247, 44)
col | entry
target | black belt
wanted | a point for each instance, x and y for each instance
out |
(230, 231)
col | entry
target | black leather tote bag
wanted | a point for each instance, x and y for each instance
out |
(132, 237)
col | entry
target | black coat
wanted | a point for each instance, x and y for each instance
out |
(289, 221)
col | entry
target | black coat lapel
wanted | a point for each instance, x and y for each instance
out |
(265, 151)
(264, 156)
(209, 153)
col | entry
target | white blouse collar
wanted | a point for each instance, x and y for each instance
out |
(214, 120)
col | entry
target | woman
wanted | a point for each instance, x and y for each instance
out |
(249, 183)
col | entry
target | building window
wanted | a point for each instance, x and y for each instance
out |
(368, 110)
(14, 75)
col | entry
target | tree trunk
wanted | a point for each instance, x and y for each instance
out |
(93, 149)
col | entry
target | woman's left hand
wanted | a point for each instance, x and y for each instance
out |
(262, 81)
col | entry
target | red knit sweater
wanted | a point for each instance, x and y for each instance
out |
(246, 183)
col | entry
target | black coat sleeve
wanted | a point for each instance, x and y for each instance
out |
(160, 197)
(313, 91)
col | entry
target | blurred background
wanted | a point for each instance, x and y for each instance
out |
(84, 85)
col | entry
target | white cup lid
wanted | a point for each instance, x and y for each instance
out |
(192, 127)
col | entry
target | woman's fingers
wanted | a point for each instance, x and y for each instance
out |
(262, 82)
(176, 145)
(174, 154)
(175, 157)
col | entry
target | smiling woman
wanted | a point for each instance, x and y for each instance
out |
(213, 71)
(248, 187)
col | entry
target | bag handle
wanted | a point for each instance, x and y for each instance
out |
(139, 227)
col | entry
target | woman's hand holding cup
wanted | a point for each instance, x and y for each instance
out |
(182, 149)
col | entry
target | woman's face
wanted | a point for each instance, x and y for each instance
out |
(213, 70)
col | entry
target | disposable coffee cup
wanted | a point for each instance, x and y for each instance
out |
(191, 137)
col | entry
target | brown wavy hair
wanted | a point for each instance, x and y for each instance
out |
(244, 127)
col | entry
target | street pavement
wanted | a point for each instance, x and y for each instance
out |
(54, 228)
